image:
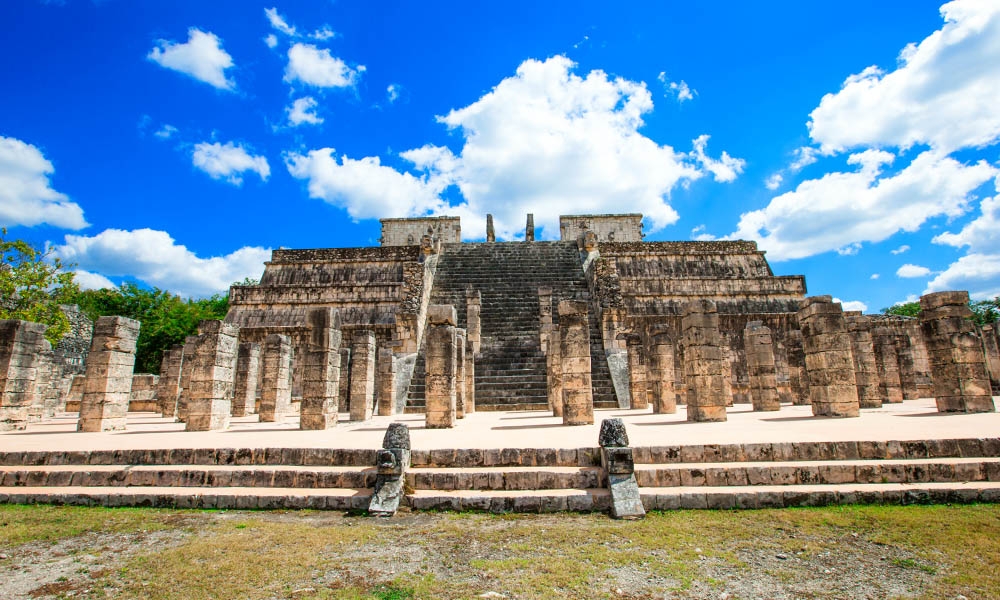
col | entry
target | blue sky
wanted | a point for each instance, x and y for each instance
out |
(176, 143)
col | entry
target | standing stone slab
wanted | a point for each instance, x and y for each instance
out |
(574, 351)
(168, 388)
(833, 390)
(441, 366)
(213, 375)
(20, 345)
(886, 362)
(247, 374)
(619, 467)
(363, 375)
(108, 382)
(321, 370)
(661, 374)
(637, 365)
(386, 382)
(958, 363)
(705, 366)
(759, 347)
(276, 383)
(865, 368)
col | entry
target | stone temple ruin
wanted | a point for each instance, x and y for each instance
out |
(426, 326)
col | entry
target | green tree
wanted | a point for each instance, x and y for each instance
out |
(903, 309)
(983, 311)
(33, 283)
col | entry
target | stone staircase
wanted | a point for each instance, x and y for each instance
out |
(510, 370)
(760, 475)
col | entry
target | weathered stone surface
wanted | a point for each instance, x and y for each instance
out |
(637, 369)
(763, 374)
(142, 397)
(866, 373)
(441, 366)
(407, 232)
(386, 382)
(957, 358)
(21, 343)
(604, 228)
(213, 375)
(397, 435)
(529, 229)
(474, 326)
(247, 376)
(829, 359)
(460, 384)
(704, 366)
(661, 374)
(619, 467)
(991, 345)
(363, 375)
(108, 380)
(613, 433)
(321, 370)
(276, 390)
(574, 352)
(168, 388)
(187, 354)
(491, 235)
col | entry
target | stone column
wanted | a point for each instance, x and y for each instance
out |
(168, 389)
(386, 382)
(992, 350)
(474, 326)
(886, 363)
(247, 373)
(907, 365)
(20, 344)
(529, 230)
(958, 363)
(109, 375)
(544, 317)
(491, 235)
(863, 351)
(470, 379)
(345, 379)
(574, 352)
(705, 366)
(75, 393)
(441, 365)
(46, 379)
(637, 385)
(363, 375)
(276, 382)
(797, 378)
(321, 370)
(212, 376)
(763, 375)
(142, 397)
(187, 356)
(553, 371)
(661, 384)
(921, 359)
(459, 373)
(833, 390)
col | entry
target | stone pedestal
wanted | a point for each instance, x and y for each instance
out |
(247, 375)
(865, 368)
(276, 381)
(386, 382)
(705, 367)
(321, 370)
(833, 388)
(187, 356)
(574, 351)
(763, 374)
(363, 375)
(661, 374)
(460, 388)
(212, 377)
(108, 382)
(958, 363)
(441, 366)
(168, 388)
(886, 363)
(637, 384)
(20, 345)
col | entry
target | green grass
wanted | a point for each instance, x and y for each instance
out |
(23, 524)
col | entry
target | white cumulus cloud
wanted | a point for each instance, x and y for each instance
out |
(852, 305)
(317, 67)
(229, 161)
(201, 57)
(911, 271)
(774, 181)
(303, 111)
(92, 281)
(900, 250)
(271, 40)
(155, 258)
(979, 270)
(724, 169)
(26, 194)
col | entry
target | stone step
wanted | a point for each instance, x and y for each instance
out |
(503, 501)
(504, 478)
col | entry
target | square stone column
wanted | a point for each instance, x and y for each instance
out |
(863, 351)
(168, 388)
(637, 385)
(276, 380)
(247, 374)
(992, 348)
(958, 363)
(705, 366)
(363, 375)
(661, 381)
(553, 369)
(321, 370)
(212, 376)
(798, 381)
(470, 379)
(473, 321)
(386, 381)
(142, 397)
(886, 362)
(460, 342)
(759, 346)
(574, 351)
(921, 358)
(345, 378)
(108, 382)
(441, 366)
(833, 390)
(544, 316)
(20, 345)
(190, 343)
(907, 363)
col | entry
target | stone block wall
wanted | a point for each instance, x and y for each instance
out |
(407, 232)
(607, 228)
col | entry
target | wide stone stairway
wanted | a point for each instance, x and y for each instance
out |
(510, 370)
